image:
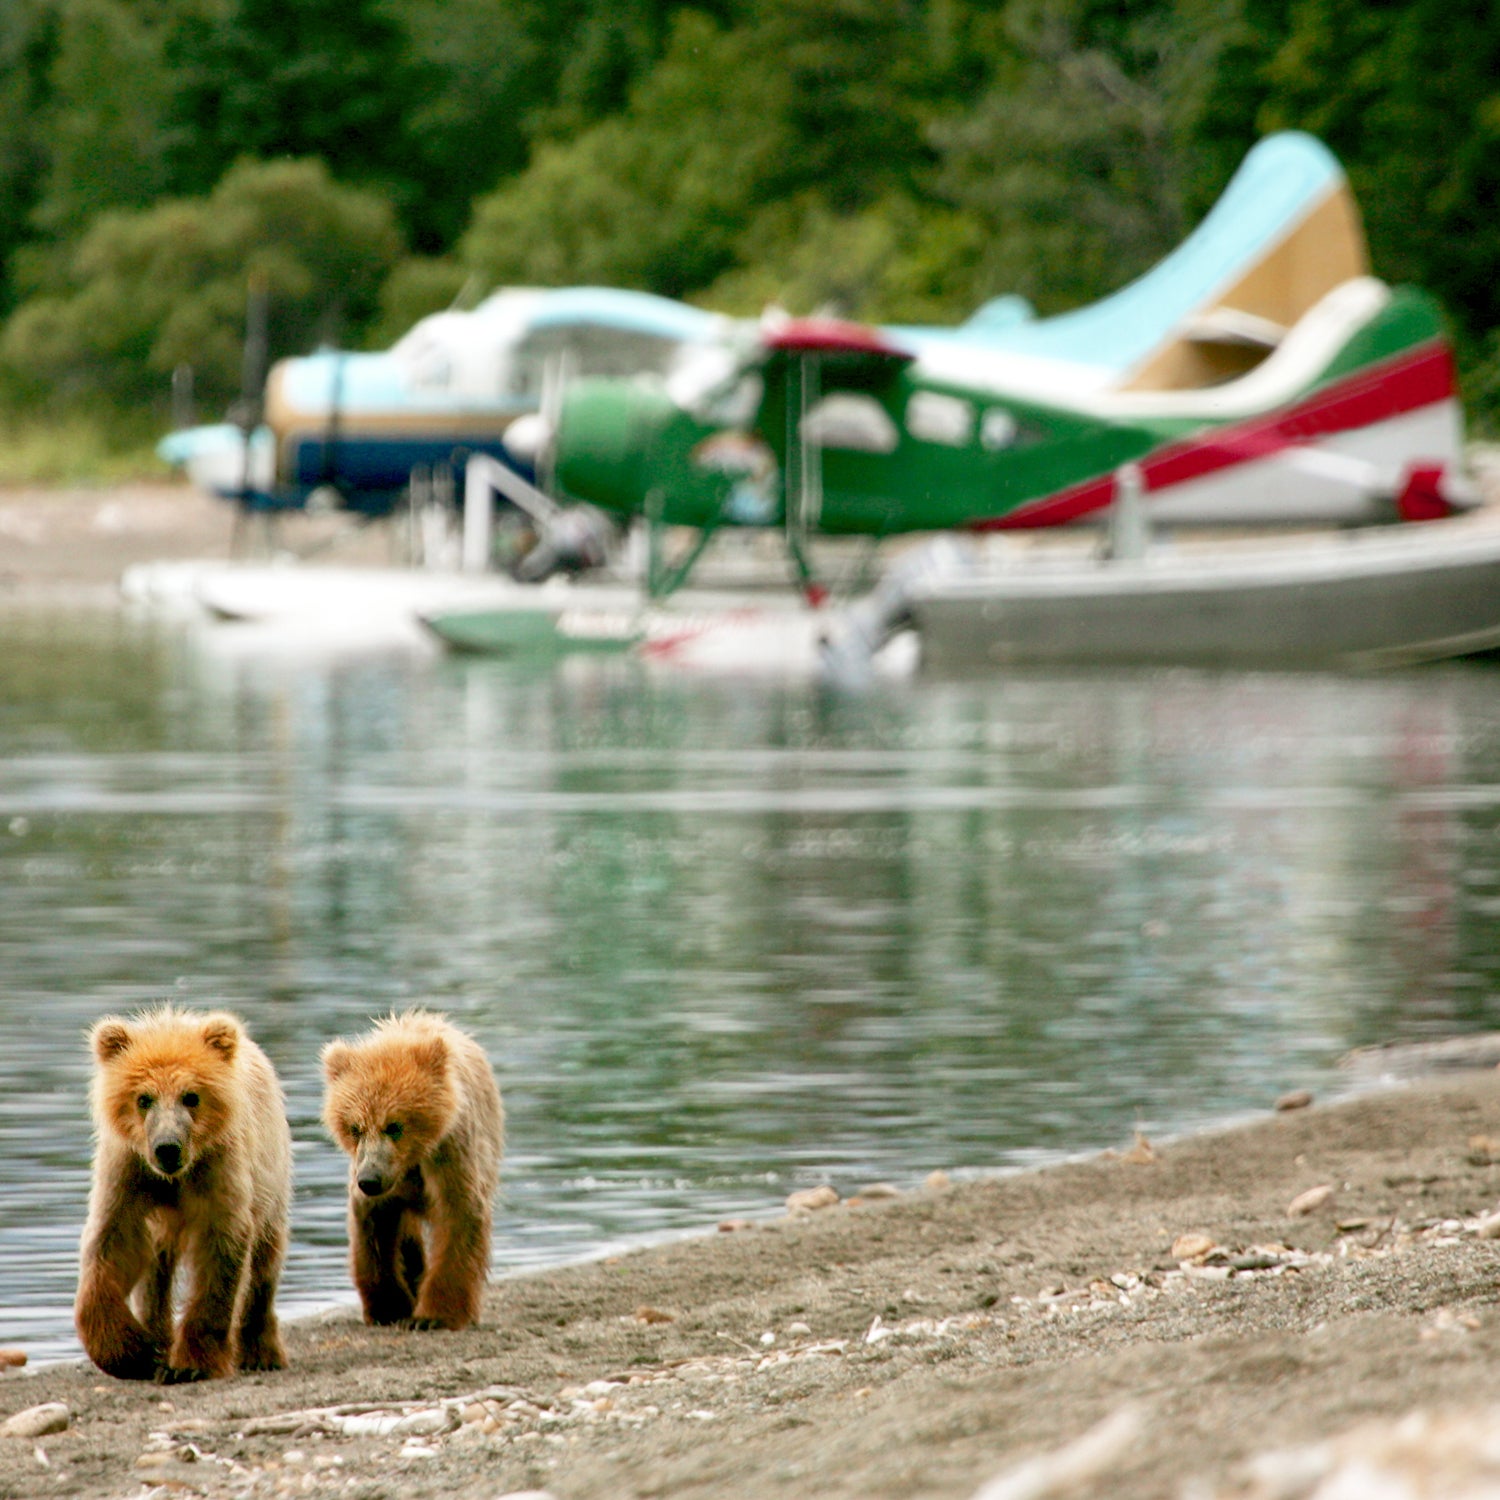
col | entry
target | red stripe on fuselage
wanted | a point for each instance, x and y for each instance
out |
(1406, 383)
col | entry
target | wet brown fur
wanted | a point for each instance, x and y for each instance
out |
(222, 1211)
(419, 1228)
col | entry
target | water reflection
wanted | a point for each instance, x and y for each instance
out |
(721, 939)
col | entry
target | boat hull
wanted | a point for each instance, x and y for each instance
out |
(1359, 600)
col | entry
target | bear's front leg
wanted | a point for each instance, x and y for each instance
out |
(112, 1260)
(202, 1349)
(108, 1330)
(260, 1336)
(376, 1230)
(454, 1283)
(153, 1297)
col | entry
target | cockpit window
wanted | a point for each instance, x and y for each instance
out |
(997, 429)
(844, 419)
(932, 417)
(582, 350)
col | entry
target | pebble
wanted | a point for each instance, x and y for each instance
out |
(1310, 1201)
(806, 1200)
(164, 1457)
(1257, 1260)
(366, 1423)
(732, 1226)
(37, 1421)
(653, 1315)
(875, 1190)
(12, 1359)
(1191, 1246)
(1207, 1273)
(429, 1420)
(797, 1330)
(1488, 1228)
(1296, 1099)
(938, 1182)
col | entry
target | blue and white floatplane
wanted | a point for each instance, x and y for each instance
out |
(359, 425)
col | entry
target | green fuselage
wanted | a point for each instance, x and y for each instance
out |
(627, 447)
(871, 442)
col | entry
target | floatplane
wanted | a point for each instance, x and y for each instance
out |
(1259, 376)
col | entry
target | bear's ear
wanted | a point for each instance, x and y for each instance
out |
(336, 1059)
(431, 1056)
(109, 1038)
(222, 1033)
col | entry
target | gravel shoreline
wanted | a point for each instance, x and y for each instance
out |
(1143, 1323)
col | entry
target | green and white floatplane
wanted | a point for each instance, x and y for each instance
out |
(1258, 375)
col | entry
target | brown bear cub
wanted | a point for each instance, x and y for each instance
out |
(415, 1104)
(192, 1162)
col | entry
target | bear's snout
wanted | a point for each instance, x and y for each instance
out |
(376, 1168)
(168, 1140)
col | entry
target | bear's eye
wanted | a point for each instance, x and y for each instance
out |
(190, 1100)
(144, 1102)
(356, 1131)
(393, 1130)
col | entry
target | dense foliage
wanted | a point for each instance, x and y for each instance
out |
(901, 159)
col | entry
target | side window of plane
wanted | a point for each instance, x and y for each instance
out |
(843, 419)
(997, 429)
(932, 417)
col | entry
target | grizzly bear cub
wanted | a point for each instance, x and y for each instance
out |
(192, 1162)
(416, 1106)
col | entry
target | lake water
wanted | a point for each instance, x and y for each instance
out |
(722, 939)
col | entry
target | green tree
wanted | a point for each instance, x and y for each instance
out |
(1411, 106)
(899, 260)
(498, 78)
(28, 41)
(110, 90)
(165, 286)
(1413, 112)
(264, 78)
(863, 77)
(1079, 159)
(738, 146)
(607, 48)
(656, 197)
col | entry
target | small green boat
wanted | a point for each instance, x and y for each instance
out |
(540, 627)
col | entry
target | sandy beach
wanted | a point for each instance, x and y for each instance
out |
(74, 543)
(1248, 1314)
(1182, 1309)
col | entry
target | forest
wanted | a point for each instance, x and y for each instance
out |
(367, 161)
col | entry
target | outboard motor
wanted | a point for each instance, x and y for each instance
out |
(855, 634)
(573, 540)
